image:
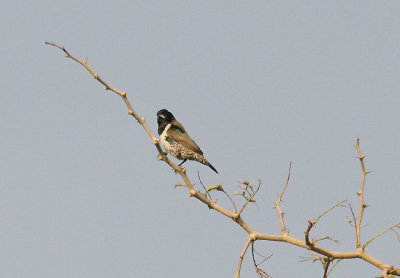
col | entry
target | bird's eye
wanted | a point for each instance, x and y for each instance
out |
(161, 116)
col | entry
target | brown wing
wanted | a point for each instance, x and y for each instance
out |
(179, 134)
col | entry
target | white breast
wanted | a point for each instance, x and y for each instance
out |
(163, 137)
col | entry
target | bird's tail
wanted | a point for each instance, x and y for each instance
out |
(212, 167)
(204, 161)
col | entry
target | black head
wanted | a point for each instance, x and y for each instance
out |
(164, 117)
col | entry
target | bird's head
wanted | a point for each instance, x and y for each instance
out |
(164, 116)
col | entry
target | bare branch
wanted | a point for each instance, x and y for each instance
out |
(259, 271)
(219, 187)
(230, 198)
(242, 256)
(328, 210)
(335, 264)
(314, 222)
(326, 238)
(360, 193)
(208, 193)
(326, 267)
(278, 202)
(141, 121)
(381, 233)
(354, 217)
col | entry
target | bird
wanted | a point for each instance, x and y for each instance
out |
(176, 141)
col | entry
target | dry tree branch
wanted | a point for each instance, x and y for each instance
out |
(236, 217)
(219, 187)
(335, 264)
(360, 193)
(324, 238)
(313, 223)
(326, 267)
(381, 233)
(354, 217)
(250, 240)
(259, 271)
(230, 199)
(122, 94)
(328, 210)
(278, 202)
(208, 193)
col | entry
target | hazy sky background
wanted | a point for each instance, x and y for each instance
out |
(256, 84)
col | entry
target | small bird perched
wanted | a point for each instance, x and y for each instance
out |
(176, 141)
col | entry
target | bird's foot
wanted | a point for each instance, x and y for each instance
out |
(180, 164)
(160, 157)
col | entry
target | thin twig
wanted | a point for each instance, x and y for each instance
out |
(381, 233)
(360, 193)
(335, 264)
(278, 202)
(326, 267)
(328, 210)
(259, 271)
(250, 198)
(354, 216)
(208, 193)
(325, 238)
(314, 222)
(230, 198)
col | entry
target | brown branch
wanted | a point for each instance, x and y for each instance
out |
(284, 237)
(381, 233)
(208, 193)
(326, 267)
(242, 256)
(328, 210)
(354, 217)
(278, 202)
(360, 193)
(259, 271)
(335, 264)
(359, 253)
(230, 199)
(314, 222)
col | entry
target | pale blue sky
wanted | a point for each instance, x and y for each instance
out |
(256, 84)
